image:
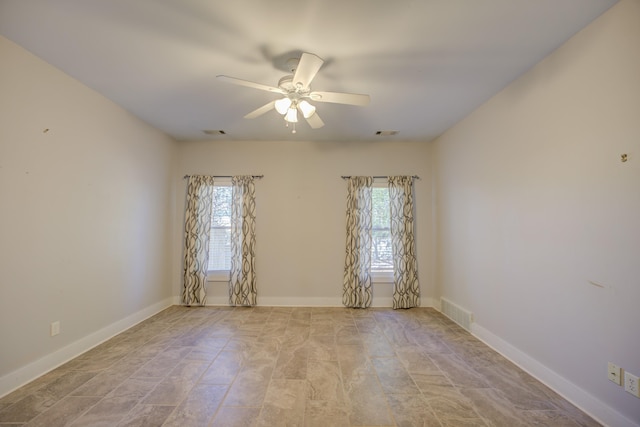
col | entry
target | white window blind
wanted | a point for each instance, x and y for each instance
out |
(220, 240)
(381, 253)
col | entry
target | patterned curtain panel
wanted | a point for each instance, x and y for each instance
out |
(406, 289)
(197, 228)
(357, 292)
(242, 284)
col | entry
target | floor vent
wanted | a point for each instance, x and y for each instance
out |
(456, 313)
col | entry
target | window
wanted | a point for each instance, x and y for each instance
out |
(381, 252)
(220, 240)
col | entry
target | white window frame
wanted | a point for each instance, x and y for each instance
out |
(378, 276)
(219, 275)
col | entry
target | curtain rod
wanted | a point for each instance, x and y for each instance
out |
(380, 176)
(226, 176)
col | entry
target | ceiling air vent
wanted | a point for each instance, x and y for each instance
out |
(214, 132)
(387, 132)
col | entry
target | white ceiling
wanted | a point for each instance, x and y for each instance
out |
(425, 63)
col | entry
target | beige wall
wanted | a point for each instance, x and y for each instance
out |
(301, 205)
(539, 220)
(85, 216)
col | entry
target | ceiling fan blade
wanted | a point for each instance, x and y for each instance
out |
(307, 68)
(315, 121)
(247, 83)
(260, 111)
(340, 98)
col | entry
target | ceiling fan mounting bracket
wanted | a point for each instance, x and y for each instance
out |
(292, 64)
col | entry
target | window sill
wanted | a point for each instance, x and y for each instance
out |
(218, 276)
(382, 277)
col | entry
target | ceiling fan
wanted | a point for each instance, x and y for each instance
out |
(297, 93)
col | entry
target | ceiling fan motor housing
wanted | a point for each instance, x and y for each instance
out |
(292, 91)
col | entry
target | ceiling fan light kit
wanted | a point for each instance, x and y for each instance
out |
(297, 92)
(292, 115)
(282, 105)
(307, 109)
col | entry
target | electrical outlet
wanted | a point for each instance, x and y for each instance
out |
(614, 373)
(631, 384)
(55, 328)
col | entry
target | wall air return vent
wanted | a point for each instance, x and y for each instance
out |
(456, 313)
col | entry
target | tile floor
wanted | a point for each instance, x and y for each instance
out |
(270, 366)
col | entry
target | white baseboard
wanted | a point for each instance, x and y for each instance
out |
(431, 302)
(311, 301)
(574, 394)
(28, 373)
(281, 301)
